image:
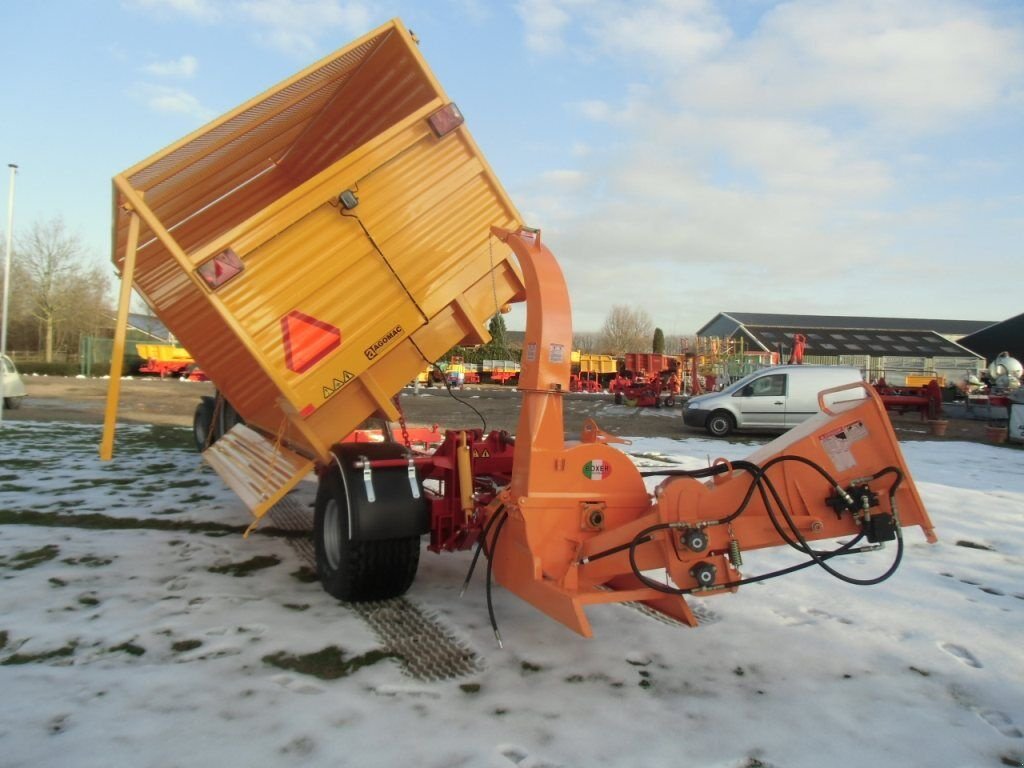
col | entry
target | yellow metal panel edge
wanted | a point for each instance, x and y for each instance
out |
(312, 193)
(414, 48)
(181, 257)
(390, 25)
(120, 334)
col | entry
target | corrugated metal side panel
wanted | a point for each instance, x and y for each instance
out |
(186, 310)
(324, 267)
(431, 210)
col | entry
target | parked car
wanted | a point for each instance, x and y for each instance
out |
(775, 398)
(13, 386)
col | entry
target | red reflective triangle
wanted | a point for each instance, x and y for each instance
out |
(307, 340)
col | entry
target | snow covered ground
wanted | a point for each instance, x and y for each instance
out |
(161, 643)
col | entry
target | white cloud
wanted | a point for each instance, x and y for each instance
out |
(185, 66)
(769, 166)
(544, 22)
(667, 33)
(174, 101)
(205, 11)
(907, 64)
(296, 26)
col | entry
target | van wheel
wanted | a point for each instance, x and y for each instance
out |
(720, 423)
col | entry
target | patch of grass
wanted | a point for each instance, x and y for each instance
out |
(14, 488)
(88, 600)
(89, 561)
(35, 658)
(470, 688)
(327, 664)
(97, 482)
(160, 467)
(529, 667)
(246, 567)
(305, 574)
(182, 646)
(3, 639)
(921, 672)
(31, 558)
(100, 522)
(15, 463)
(129, 648)
(974, 545)
(193, 483)
(55, 582)
(297, 606)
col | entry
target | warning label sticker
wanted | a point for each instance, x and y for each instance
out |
(837, 444)
(556, 354)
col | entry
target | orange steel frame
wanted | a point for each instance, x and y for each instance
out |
(569, 501)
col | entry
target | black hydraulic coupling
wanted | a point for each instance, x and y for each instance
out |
(856, 498)
(879, 528)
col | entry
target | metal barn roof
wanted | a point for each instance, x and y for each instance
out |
(1007, 336)
(802, 323)
(844, 341)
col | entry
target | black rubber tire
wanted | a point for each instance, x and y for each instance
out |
(13, 403)
(670, 401)
(720, 424)
(357, 571)
(201, 424)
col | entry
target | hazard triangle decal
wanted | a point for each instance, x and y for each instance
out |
(307, 340)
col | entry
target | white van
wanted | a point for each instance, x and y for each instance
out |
(773, 398)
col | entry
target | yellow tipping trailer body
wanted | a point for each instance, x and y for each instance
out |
(310, 312)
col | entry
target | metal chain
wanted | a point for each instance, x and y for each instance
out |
(402, 424)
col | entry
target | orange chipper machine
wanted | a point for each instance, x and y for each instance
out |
(315, 247)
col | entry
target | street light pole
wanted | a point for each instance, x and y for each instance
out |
(7, 284)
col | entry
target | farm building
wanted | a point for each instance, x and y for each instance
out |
(888, 347)
(1007, 336)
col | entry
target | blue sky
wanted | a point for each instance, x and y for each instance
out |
(681, 156)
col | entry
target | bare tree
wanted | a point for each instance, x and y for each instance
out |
(585, 341)
(626, 330)
(59, 290)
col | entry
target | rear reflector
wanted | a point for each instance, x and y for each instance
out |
(445, 120)
(221, 268)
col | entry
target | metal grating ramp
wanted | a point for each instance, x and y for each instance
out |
(254, 467)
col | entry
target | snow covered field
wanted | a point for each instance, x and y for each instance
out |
(133, 635)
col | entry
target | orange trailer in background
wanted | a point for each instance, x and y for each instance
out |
(316, 247)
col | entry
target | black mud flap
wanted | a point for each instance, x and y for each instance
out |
(383, 503)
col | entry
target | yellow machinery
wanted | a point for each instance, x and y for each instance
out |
(314, 248)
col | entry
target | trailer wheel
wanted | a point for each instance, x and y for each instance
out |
(720, 423)
(357, 571)
(201, 423)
